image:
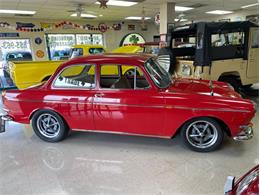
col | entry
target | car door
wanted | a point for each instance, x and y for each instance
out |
(253, 56)
(133, 108)
(72, 95)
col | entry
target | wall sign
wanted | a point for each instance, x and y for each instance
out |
(39, 53)
(131, 27)
(38, 40)
(132, 38)
(24, 25)
(9, 34)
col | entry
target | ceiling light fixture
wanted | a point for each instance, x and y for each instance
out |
(84, 15)
(219, 12)
(6, 11)
(250, 5)
(100, 15)
(182, 8)
(119, 3)
(180, 20)
(137, 18)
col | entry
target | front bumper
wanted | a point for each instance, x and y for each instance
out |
(245, 134)
(229, 185)
(3, 119)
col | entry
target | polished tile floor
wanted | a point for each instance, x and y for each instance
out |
(101, 164)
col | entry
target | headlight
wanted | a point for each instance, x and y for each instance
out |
(243, 185)
(185, 69)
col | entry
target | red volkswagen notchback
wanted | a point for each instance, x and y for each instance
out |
(130, 94)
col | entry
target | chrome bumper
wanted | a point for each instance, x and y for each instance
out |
(245, 134)
(229, 185)
(3, 119)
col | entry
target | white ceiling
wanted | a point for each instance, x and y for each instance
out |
(57, 9)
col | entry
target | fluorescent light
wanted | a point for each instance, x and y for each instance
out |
(182, 20)
(250, 5)
(182, 9)
(137, 18)
(219, 12)
(119, 3)
(84, 15)
(6, 11)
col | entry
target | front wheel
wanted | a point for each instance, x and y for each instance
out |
(49, 126)
(202, 134)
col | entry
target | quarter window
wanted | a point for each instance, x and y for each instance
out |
(76, 76)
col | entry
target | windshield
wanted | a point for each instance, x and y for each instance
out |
(160, 77)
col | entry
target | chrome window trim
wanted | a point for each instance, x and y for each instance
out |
(71, 88)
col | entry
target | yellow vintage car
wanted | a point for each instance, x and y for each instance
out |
(26, 74)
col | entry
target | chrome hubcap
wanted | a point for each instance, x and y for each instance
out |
(201, 134)
(48, 125)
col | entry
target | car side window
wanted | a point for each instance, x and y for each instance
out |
(76, 76)
(122, 77)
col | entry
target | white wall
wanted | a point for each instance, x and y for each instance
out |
(111, 38)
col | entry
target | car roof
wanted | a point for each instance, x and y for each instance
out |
(115, 58)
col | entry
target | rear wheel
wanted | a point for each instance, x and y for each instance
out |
(49, 126)
(233, 81)
(202, 134)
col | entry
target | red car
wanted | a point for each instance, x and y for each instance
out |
(246, 185)
(96, 93)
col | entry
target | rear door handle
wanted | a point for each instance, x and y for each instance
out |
(99, 95)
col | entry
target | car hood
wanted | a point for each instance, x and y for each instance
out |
(202, 87)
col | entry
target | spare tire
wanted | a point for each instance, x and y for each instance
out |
(167, 59)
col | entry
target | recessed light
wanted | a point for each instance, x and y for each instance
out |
(119, 3)
(6, 11)
(100, 15)
(219, 12)
(137, 18)
(84, 15)
(250, 5)
(182, 8)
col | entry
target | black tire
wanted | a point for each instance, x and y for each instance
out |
(166, 58)
(235, 83)
(58, 132)
(194, 131)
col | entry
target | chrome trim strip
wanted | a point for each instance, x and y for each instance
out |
(136, 105)
(121, 133)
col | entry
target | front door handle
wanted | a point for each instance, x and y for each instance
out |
(99, 95)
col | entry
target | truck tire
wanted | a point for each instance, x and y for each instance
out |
(167, 59)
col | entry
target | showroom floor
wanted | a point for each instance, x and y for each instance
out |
(92, 163)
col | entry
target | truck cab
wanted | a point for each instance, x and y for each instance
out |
(223, 51)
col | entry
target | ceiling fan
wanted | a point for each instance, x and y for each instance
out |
(78, 11)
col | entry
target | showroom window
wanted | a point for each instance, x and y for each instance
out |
(76, 76)
(122, 77)
(15, 49)
(59, 45)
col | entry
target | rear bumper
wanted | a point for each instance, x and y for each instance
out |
(245, 134)
(3, 119)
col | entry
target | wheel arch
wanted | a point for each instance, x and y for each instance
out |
(223, 125)
(235, 74)
(48, 109)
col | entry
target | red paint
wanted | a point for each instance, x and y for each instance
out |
(150, 112)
